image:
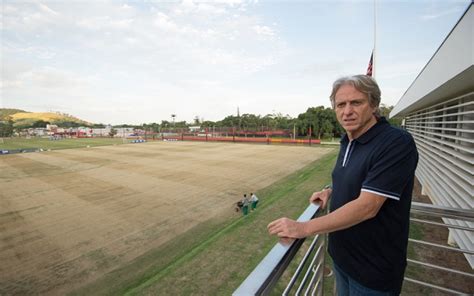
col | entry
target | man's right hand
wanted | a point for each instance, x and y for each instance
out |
(321, 197)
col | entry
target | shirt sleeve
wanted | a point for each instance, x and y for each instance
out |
(393, 168)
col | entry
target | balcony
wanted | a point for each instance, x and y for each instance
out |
(301, 267)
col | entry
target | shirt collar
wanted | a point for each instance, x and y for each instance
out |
(371, 133)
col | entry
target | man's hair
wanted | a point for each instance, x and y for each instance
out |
(363, 83)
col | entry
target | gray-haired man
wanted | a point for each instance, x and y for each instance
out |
(372, 183)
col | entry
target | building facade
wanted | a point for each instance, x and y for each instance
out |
(438, 110)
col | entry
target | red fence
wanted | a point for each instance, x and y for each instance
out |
(236, 139)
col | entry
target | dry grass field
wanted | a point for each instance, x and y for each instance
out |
(68, 217)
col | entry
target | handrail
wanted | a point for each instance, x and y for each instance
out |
(441, 268)
(454, 249)
(264, 277)
(440, 212)
(437, 287)
(441, 224)
(446, 212)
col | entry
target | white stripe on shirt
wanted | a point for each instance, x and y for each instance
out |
(344, 161)
(382, 194)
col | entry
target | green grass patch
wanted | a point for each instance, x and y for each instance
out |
(215, 257)
(417, 231)
(46, 143)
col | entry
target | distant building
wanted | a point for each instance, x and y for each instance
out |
(195, 128)
(52, 128)
(37, 132)
(438, 110)
(123, 132)
(102, 132)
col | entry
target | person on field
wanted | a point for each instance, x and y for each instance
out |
(245, 205)
(371, 190)
(239, 205)
(253, 201)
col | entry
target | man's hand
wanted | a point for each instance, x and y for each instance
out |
(321, 197)
(285, 227)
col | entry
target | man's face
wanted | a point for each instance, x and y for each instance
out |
(353, 111)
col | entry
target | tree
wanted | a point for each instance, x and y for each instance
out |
(6, 128)
(40, 124)
(385, 112)
(321, 120)
(327, 127)
(23, 123)
(229, 121)
(208, 124)
(283, 121)
(127, 125)
(67, 123)
(98, 125)
(151, 127)
(165, 124)
(112, 132)
(181, 124)
(312, 118)
(249, 122)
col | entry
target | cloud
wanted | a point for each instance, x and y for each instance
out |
(44, 8)
(164, 22)
(25, 17)
(107, 54)
(436, 15)
(47, 78)
(264, 30)
(210, 9)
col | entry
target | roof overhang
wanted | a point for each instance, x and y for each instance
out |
(449, 73)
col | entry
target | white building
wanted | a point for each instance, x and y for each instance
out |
(123, 132)
(102, 132)
(438, 110)
(37, 132)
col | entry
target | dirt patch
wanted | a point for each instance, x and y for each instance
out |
(68, 217)
(437, 256)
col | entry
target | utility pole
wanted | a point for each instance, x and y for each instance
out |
(294, 131)
(173, 116)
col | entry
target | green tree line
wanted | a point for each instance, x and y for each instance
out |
(320, 121)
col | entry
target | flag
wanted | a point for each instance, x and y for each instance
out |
(369, 68)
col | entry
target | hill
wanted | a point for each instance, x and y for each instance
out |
(5, 113)
(46, 116)
(24, 118)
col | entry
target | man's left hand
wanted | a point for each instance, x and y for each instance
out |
(285, 227)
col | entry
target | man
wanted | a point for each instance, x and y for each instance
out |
(253, 201)
(245, 205)
(372, 183)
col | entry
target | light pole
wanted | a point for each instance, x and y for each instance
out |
(173, 116)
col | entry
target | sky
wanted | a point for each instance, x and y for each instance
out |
(140, 62)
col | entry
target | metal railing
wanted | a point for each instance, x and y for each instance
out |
(308, 279)
(264, 277)
(467, 216)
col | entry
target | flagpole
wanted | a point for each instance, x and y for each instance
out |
(375, 40)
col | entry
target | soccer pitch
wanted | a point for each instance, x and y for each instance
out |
(47, 143)
(68, 217)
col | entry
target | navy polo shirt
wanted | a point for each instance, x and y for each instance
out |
(382, 161)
